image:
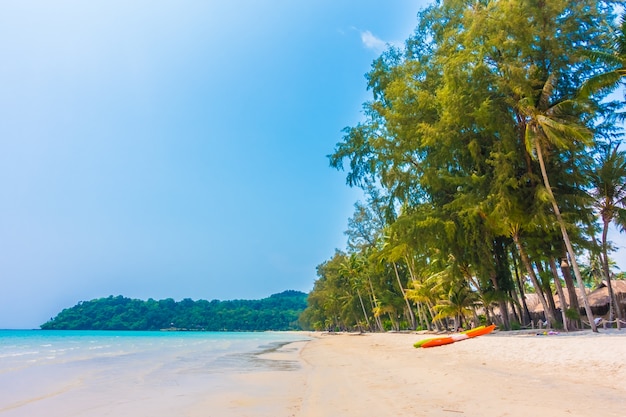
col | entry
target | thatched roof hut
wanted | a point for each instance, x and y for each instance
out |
(598, 299)
(538, 308)
(532, 301)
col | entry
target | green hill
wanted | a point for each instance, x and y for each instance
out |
(277, 312)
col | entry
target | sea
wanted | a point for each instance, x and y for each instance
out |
(50, 373)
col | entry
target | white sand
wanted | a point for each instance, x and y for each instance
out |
(382, 375)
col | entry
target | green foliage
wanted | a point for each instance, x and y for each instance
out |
(484, 159)
(572, 314)
(278, 312)
(480, 149)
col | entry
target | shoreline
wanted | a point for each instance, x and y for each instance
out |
(319, 374)
(382, 374)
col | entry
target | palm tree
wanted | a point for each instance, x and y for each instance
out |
(608, 81)
(393, 254)
(608, 180)
(609, 191)
(352, 269)
(460, 303)
(514, 230)
(554, 124)
(426, 294)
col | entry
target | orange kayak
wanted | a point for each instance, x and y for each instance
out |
(446, 340)
(419, 343)
(479, 331)
(438, 341)
(475, 328)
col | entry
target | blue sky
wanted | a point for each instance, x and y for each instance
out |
(176, 148)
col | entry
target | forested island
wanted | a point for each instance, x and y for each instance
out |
(277, 312)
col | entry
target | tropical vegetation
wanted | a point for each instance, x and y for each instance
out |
(491, 162)
(277, 312)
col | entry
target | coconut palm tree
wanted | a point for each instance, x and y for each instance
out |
(352, 268)
(425, 293)
(459, 304)
(554, 124)
(395, 254)
(609, 192)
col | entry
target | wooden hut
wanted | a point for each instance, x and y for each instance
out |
(599, 298)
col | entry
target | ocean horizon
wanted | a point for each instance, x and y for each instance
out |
(97, 373)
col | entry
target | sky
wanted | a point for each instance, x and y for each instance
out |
(177, 149)
(157, 149)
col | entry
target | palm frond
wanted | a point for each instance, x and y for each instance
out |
(560, 133)
(602, 84)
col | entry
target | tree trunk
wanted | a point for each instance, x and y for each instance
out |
(419, 319)
(374, 303)
(367, 320)
(533, 278)
(406, 300)
(424, 315)
(568, 243)
(410, 267)
(438, 323)
(504, 311)
(522, 293)
(571, 289)
(516, 306)
(607, 274)
(559, 291)
(547, 290)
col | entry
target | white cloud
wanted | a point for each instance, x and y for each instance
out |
(372, 42)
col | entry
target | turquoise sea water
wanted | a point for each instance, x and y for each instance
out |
(65, 373)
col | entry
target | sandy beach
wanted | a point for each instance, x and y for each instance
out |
(514, 374)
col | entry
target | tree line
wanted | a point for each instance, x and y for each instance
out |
(491, 163)
(277, 312)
